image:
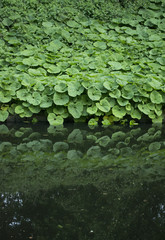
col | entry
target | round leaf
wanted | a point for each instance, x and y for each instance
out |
(60, 98)
(75, 89)
(94, 94)
(156, 97)
(75, 109)
(3, 115)
(118, 111)
(104, 105)
(55, 120)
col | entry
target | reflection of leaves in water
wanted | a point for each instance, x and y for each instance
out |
(80, 204)
(86, 148)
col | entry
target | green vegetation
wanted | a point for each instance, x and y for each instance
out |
(82, 61)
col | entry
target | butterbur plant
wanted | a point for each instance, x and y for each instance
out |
(77, 66)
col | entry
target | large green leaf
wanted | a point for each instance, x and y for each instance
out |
(19, 109)
(156, 97)
(34, 98)
(92, 109)
(115, 93)
(61, 87)
(3, 115)
(135, 114)
(55, 120)
(110, 84)
(73, 24)
(103, 105)
(128, 91)
(144, 108)
(101, 45)
(4, 97)
(54, 46)
(31, 61)
(60, 98)
(94, 94)
(122, 102)
(119, 111)
(46, 102)
(115, 65)
(75, 89)
(75, 109)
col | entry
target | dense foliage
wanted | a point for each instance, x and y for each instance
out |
(66, 62)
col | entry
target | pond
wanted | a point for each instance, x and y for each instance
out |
(76, 182)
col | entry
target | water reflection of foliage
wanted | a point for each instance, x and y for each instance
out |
(118, 206)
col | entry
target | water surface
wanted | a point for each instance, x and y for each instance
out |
(78, 183)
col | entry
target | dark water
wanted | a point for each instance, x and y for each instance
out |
(78, 183)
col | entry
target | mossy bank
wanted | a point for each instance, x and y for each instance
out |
(95, 63)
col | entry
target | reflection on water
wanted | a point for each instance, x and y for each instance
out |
(79, 183)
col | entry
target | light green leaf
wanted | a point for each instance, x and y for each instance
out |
(34, 98)
(115, 65)
(7, 22)
(60, 98)
(75, 109)
(47, 24)
(55, 120)
(54, 46)
(27, 52)
(115, 93)
(61, 87)
(101, 45)
(93, 122)
(75, 89)
(118, 111)
(34, 109)
(104, 105)
(94, 94)
(128, 91)
(31, 61)
(161, 60)
(110, 84)
(19, 109)
(54, 69)
(4, 97)
(37, 72)
(144, 108)
(92, 109)
(156, 97)
(72, 24)
(46, 102)
(3, 115)
(122, 102)
(135, 114)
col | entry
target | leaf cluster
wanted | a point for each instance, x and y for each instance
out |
(78, 67)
